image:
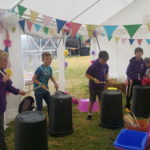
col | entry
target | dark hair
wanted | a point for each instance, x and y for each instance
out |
(45, 54)
(138, 50)
(103, 55)
(147, 60)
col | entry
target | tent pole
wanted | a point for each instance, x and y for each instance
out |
(17, 4)
(98, 44)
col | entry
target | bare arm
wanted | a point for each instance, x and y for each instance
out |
(54, 82)
(92, 78)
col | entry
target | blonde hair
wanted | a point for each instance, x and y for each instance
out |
(3, 55)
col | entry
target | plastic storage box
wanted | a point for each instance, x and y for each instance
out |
(131, 140)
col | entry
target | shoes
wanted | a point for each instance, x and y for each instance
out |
(89, 117)
(127, 109)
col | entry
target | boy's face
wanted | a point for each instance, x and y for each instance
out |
(4, 63)
(47, 60)
(138, 55)
(102, 61)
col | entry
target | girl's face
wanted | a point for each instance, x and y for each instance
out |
(4, 63)
(47, 60)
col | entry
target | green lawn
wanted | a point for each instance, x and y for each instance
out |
(87, 135)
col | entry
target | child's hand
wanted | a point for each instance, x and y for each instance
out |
(6, 78)
(22, 93)
(97, 81)
(56, 86)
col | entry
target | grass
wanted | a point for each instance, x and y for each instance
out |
(87, 135)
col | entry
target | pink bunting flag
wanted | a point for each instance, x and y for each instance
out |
(139, 41)
(46, 20)
(1, 28)
(123, 40)
(74, 27)
(29, 24)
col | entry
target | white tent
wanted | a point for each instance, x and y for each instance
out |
(84, 12)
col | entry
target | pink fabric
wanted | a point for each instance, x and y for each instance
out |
(83, 105)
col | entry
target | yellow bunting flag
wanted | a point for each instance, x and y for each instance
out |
(34, 15)
(91, 29)
(117, 39)
(148, 25)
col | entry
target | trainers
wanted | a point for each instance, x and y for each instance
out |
(89, 117)
(127, 109)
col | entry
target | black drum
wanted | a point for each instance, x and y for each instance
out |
(60, 120)
(111, 115)
(140, 104)
(31, 131)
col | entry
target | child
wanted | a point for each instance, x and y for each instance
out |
(135, 73)
(41, 77)
(97, 74)
(146, 80)
(5, 86)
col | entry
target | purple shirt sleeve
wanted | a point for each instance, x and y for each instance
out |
(1, 83)
(129, 71)
(90, 70)
(11, 89)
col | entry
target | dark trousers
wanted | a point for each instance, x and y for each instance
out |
(39, 96)
(129, 91)
(2, 133)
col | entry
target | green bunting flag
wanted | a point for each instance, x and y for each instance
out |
(21, 10)
(132, 29)
(46, 29)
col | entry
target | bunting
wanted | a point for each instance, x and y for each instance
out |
(139, 41)
(46, 20)
(46, 29)
(132, 29)
(21, 10)
(117, 39)
(37, 27)
(34, 15)
(131, 41)
(60, 24)
(13, 29)
(148, 41)
(148, 26)
(29, 24)
(22, 24)
(90, 29)
(74, 27)
(110, 30)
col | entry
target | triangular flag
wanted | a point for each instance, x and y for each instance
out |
(91, 29)
(34, 15)
(1, 28)
(110, 30)
(29, 24)
(46, 20)
(13, 29)
(139, 41)
(37, 27)
(148, 41)
(117, 39)
(52, 31)
(74, 27)
(21, 10)
(22, 24)
(132, 29)
(148, 25)
(123, 40)
(60, 24)
(131, 41)
(46, 29)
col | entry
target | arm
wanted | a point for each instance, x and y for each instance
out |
(92, 78)
(54, 82)
(35, 80)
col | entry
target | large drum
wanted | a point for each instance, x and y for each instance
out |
(141, 101)
(111, 115)
(60, 120)
(31, 131)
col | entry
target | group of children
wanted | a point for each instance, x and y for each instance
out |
(138, 73)
(97, 73)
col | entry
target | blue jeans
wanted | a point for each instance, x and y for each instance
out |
(41, 94)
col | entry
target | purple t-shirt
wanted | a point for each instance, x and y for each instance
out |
(99, 72)
(5, 87)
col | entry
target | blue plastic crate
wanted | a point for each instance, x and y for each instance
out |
(131, 140)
